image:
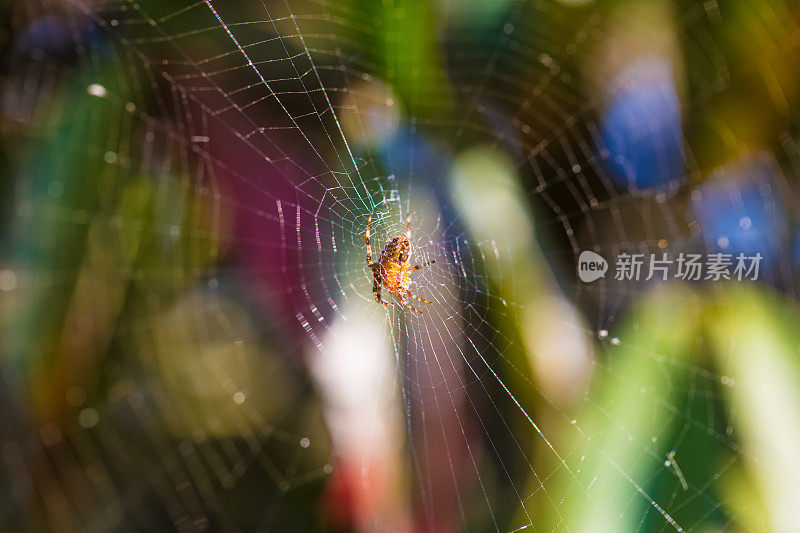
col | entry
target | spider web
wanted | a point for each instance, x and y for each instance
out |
(241, 375)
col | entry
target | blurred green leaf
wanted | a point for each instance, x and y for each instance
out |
(610, 448)
(756, 340)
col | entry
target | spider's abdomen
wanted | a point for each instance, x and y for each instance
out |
(398, 250)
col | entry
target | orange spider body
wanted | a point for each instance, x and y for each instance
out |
(393, 270)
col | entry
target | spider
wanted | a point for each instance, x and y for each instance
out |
(392, 270)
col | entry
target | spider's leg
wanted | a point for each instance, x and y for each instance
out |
(422, 265)
(405, 303)
(408, 226)
(409, 293)
(376, 290)
(369, 250)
